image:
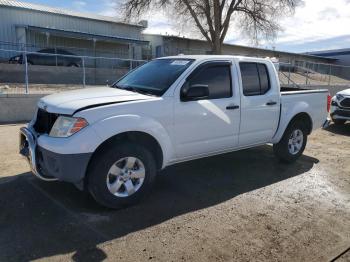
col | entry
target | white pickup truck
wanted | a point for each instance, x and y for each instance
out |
(113, 140)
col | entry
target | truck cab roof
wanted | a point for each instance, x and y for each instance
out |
(216, 57)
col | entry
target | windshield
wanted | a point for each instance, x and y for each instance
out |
(154, 77)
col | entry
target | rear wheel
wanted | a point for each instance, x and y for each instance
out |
(121, 175)
(292, 144)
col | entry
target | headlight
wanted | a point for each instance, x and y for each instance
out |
(66, 126)
(339, 97)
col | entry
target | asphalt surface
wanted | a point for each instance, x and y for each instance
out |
(240, 206)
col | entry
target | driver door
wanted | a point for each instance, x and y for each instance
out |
(207, 124)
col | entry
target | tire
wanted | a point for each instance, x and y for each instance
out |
(102, 180)
(288, 151)
(338, 122)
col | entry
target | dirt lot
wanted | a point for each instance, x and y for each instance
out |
(242, 206)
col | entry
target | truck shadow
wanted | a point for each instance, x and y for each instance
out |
(41, 219)
(339, 129)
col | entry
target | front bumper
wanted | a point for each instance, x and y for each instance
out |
(27, 148)
(338, 112)
(51, 166)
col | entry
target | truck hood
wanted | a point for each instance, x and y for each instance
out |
(345, 92)
(69, 102)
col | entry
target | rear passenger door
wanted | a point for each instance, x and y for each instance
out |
(207, 124)
(260, 103)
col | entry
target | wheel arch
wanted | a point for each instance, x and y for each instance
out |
(303, 117)
(138, 137)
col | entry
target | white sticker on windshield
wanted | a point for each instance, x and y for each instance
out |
(180, 62)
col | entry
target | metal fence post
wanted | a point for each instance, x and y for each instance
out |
(130, 65)
(83, 63)
(26, 71)
(56, 56)
(306, 72)
(306, 76)
(290, 65)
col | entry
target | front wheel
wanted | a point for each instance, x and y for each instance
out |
(73, 65)
(121, 175)
(292, 144)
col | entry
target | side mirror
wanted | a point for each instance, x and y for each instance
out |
(194, 92)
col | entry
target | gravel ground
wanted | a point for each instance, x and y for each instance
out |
(242, 206)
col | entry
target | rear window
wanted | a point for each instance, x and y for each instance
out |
(255, 78)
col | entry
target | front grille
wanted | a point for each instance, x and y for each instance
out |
(344, 113)
(44, 121)
(345, 102)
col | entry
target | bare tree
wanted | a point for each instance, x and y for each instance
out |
(257, 19)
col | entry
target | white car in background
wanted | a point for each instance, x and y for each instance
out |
(340, 107)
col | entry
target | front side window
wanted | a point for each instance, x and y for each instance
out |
(255, 78)
(217, 78)
(154, 77)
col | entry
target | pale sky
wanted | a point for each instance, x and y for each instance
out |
(317, 25)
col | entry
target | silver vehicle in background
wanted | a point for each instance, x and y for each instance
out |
(340, 107)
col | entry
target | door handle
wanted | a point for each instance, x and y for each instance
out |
(232, 107)
(271, 103)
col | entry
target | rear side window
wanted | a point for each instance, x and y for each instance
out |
(255, 78)
(217, 78)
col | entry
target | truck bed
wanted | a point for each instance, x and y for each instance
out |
(286, 90)
(312, 101)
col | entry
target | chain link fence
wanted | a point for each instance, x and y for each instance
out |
(111, 51)
(298, 73)
(52, 70)
(304, 73)
(24, 71)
